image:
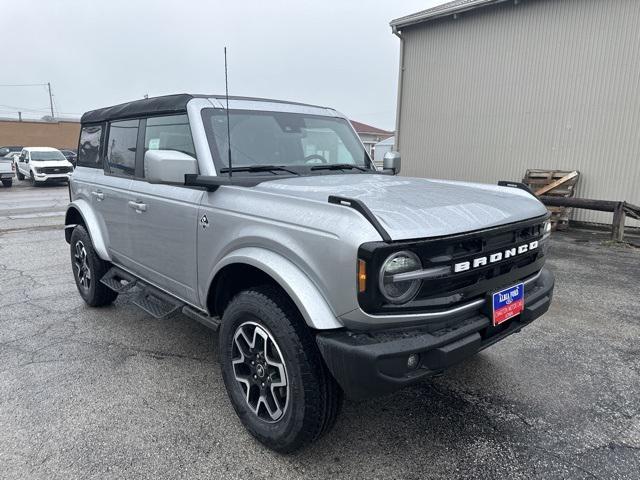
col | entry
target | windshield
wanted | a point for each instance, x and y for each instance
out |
(292, 140)
(49, 155)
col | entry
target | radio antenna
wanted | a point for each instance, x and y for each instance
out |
(226, 95)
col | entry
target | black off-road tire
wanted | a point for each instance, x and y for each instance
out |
(7, 183)
(94, 293)
(313, 399)
(19, 175)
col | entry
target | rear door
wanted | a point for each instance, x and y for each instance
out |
(90, 161)
(111, 195)
(164, 218)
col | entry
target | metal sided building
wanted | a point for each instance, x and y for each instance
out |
(491, 88)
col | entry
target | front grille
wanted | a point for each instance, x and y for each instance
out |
(55, 170)
(455, 289)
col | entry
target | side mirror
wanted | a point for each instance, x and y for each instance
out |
(168, 166)
(391, 162)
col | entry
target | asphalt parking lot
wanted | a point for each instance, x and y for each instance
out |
(114, 393)
(32, 206)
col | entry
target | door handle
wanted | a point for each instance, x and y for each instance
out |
(138, 206)
(99, 196)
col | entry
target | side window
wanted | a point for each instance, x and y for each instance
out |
(121, 147)
(89, 148)
(169, 133)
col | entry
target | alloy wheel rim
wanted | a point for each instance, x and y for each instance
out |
(260, 371)
(81, 264)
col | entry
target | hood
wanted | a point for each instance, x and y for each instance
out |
(51, 163)
(410, 208)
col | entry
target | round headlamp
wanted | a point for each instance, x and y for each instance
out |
(393, 287)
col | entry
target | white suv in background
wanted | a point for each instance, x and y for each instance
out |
(43, 164)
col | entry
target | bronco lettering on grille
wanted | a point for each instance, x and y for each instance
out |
(494, 257)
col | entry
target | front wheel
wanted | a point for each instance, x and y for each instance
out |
(88, 269)
(273, 371)
(19, 175)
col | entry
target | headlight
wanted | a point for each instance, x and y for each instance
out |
(399, 291)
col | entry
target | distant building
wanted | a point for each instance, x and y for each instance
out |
(370, 135)
(381, 148)
(491, 88)
(38, 133)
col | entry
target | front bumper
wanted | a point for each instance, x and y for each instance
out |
(57, 177)
(367, 364)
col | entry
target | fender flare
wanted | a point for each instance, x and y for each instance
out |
(93, 226)
(310, 302)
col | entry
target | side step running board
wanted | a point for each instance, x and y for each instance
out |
(211, 322)
(156, 303)
(118, 280)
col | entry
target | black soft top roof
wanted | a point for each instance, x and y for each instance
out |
(167, 104)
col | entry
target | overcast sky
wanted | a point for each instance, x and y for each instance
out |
(338, 53)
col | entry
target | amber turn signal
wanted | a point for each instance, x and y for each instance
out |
(362, 276)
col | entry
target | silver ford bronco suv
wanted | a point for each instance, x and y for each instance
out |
(267, 220)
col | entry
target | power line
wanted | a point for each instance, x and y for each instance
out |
(23, 85)
(53, 110)
(26, 109)
(40, 111)
(47, 85)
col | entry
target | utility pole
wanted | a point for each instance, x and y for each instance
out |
(50, 100)
(19, 116)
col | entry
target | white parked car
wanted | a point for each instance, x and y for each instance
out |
(43, 164)
(7, 167)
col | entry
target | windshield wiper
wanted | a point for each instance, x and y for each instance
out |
(259, 168)
(339, 166)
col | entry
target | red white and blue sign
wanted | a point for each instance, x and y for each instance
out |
(508, 303)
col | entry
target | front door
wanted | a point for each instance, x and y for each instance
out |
(23, 163)
(164, 224)
(163, 219)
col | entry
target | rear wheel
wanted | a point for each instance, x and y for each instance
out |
(88, 269)
(273, 371)
(7, 183)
